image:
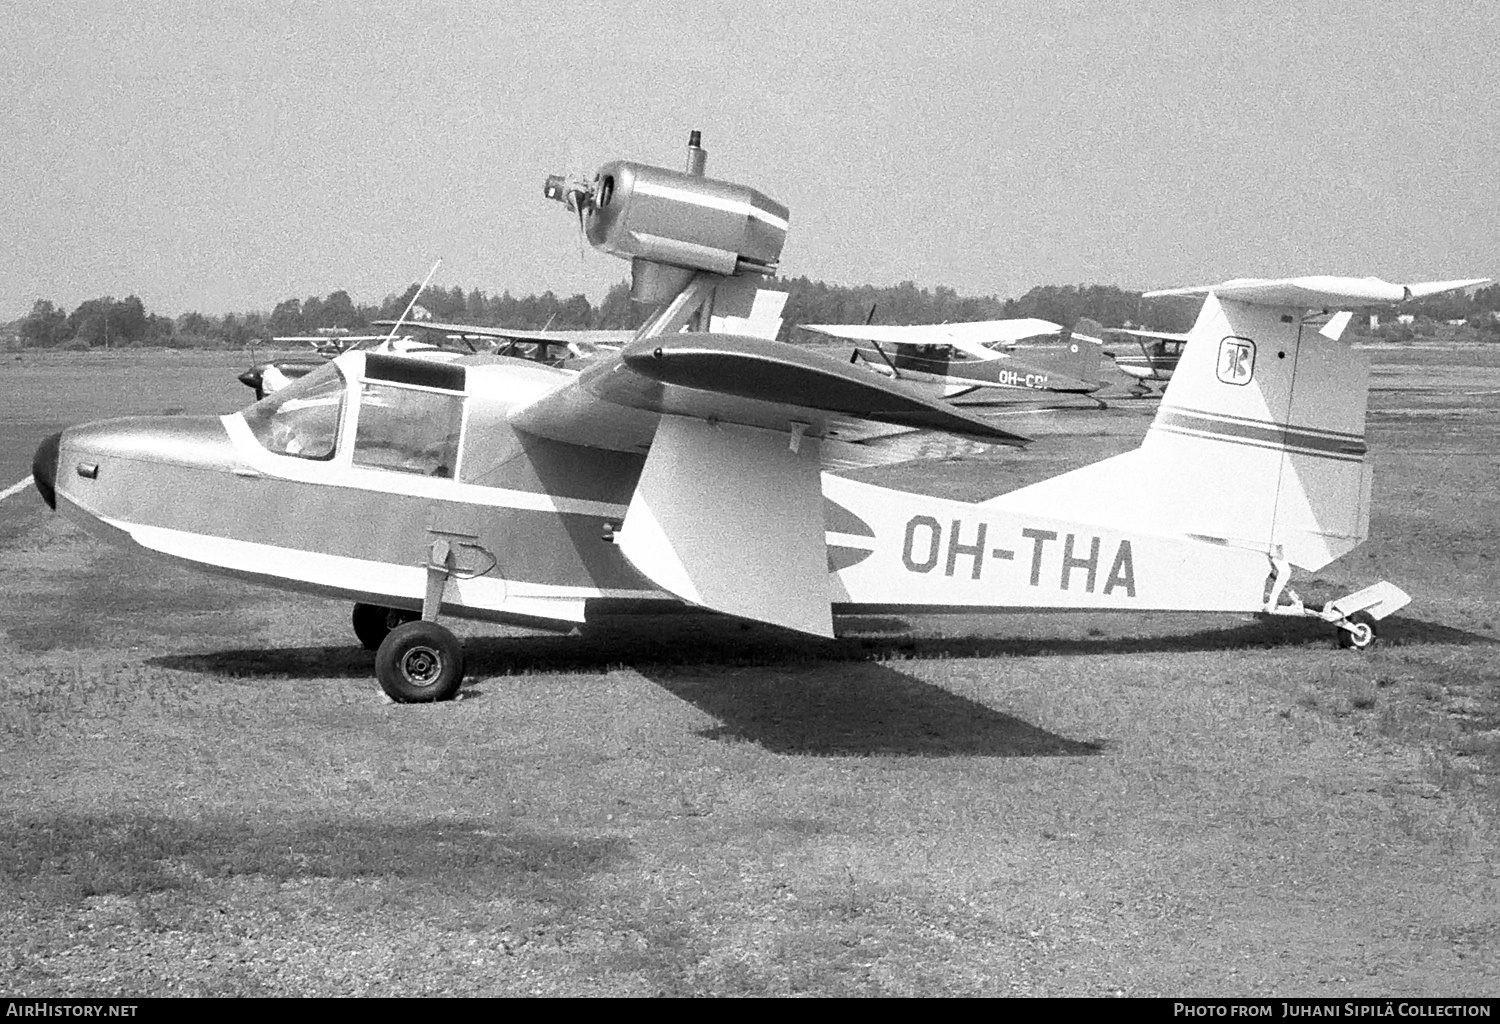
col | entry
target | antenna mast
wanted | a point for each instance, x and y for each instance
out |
(402, 318)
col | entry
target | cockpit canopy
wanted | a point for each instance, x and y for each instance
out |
(301, 419)
(407, 414)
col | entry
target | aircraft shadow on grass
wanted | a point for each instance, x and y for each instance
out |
(798, 695)
(860, 709)
(787, 704)
(708, 640)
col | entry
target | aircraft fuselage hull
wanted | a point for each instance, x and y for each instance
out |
(1146, 368)
(201, 492)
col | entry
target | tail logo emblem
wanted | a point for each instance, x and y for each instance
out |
(1236, 360)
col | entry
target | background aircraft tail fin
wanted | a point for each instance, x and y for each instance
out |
(1259, 442)
(741, 308)
(1085, 347)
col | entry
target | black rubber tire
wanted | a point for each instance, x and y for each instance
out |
(420, 662)
(1364, 636)
(373, 623)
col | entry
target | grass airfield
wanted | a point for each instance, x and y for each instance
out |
(203, 791)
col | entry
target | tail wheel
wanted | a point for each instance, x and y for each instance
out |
(420, 662)
(373, 623)
(1360, 635)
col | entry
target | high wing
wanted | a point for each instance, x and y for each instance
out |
(975, 338)
(1319, 291)
(324, 339)
(616, 401)
(728, 512)
(1153, 335)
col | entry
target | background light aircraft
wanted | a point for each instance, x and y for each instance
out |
(755, 313)
(700, 468)
(1159, 354)
(268, 377)
(330, 341)
(957, 359)
(546, 346)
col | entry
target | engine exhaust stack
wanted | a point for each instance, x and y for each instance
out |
(697, 156)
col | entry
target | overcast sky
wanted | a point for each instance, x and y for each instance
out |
(222, 157)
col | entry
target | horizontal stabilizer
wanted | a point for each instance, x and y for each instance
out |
(1421, 291)
(1319, 291)
(1086, 330)
(1136, 332)
(1378, 600)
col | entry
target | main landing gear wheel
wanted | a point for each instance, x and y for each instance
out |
(1361, 635)
(373, 623)
(419, 662)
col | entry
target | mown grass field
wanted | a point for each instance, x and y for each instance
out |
(203, 792)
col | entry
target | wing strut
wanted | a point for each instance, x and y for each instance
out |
(885, 359)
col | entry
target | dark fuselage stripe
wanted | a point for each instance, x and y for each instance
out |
(1263, 434)
(1223, 417)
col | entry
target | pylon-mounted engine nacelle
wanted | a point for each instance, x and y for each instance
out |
(671, 224)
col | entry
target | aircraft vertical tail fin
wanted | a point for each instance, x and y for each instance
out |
(741, 308)
(1259, 442)
(1085, 347)
(1263, 426)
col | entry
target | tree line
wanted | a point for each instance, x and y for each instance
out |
(110, 323)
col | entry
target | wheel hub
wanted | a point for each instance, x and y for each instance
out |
(422, 665)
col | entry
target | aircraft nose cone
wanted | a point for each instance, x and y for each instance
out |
(44, 469)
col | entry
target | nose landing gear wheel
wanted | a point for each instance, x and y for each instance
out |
(420, 662)
(373, 623)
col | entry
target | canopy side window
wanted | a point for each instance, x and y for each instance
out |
(406, 430)
(301, 419)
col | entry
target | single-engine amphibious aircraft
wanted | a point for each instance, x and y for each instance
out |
(957, 359)
(698, 467)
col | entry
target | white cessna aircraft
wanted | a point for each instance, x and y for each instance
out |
(700, 468)
(960, 358)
